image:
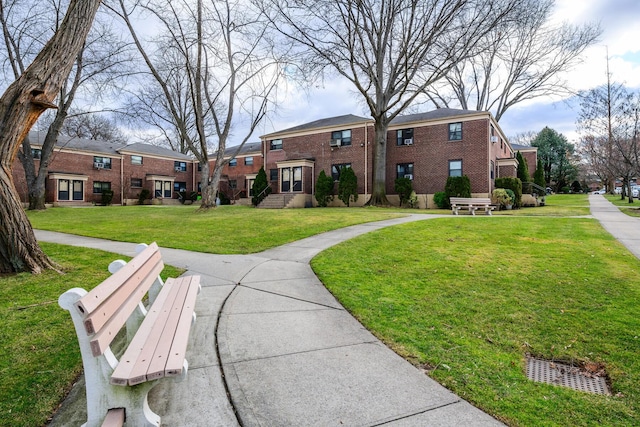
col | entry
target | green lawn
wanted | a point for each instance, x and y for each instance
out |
(39, 356)
(631, 209)
(224, 230)
(470, 298)
(467, 297)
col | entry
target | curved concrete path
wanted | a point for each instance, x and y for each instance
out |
(272, 347)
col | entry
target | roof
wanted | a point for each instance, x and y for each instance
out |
(154, 150)
(440, 113)
(348, 119)
(518, 147)
(78, 144)
(248, 148)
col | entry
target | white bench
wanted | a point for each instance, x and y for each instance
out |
(156, 336)
(471, 203)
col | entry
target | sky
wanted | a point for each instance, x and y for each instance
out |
(620, 23)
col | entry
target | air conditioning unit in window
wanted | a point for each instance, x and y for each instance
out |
(494, 139)
(409, 175)
(178, 169)
(335, 142)
(408, 141)
(98, 165)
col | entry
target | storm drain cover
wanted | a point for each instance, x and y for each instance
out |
(544, 371)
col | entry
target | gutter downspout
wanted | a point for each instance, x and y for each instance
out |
(121, 180)
(366, 165)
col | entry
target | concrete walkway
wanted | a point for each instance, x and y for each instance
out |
(272, 347)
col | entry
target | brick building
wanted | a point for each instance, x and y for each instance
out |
(81, 169)
(426, 147)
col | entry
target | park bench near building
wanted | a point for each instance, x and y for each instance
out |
(155, 342)
(471, 203)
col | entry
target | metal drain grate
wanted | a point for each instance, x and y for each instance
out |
(564, 375)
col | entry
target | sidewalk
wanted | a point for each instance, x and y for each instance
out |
(623, 227)
(289, 352)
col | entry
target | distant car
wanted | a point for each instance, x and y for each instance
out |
(599, 192)
(618, 190)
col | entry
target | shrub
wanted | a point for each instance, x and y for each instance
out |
(523, 168)
(324, 189)
(347, 186)
(500, 197)
(144, 195)
(515, 185)
(404, 188)
(107, 197)
(576, 187)
(261, 188)
(458, 186)
(441, 200)
(511, 194)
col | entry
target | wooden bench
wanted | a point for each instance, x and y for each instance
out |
(156, 336)
(471, 203)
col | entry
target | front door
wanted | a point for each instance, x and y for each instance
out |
(291, 179)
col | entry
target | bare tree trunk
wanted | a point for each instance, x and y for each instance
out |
(378, 188)
(20, 106)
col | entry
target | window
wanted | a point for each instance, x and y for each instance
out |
(233, 163)
(199, 167)
(404, 170)
(233, 184)
(455, 167)
(248, 161)
(273, 174)
(455, 131)
(276, 144)
(179, 186)
(102, 162)
(36, 153)
(491, 168)
(404, 136)
(343, 135)
(136, 182)
(99, 187)
(180, 166)
(136, 160)
(63, 189)
(335, 170)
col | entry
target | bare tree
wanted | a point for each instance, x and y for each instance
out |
(519, 60)
(92, 126)
(523, 138)
(20, 106)
(95, 69)
(609, 127)
(222, 51)
(390, 50)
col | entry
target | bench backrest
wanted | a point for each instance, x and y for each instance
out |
(108, 306)
(469, 200)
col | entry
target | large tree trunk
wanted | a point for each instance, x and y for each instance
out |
(20, 106)
(378, 188)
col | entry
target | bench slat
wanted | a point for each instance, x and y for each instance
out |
(138, 283)
(109, 330)
(96, 297)
(179, 347)
(133, 365)
(114, 418)
(160, 357)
